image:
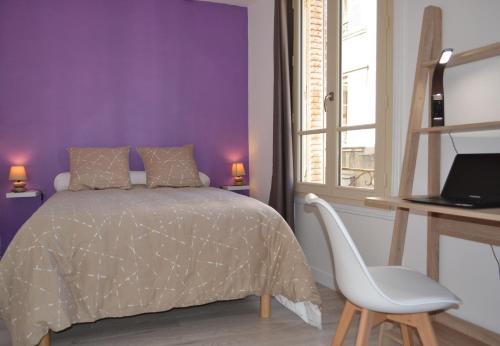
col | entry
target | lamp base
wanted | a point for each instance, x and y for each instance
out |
(19, 186)
(238, 181)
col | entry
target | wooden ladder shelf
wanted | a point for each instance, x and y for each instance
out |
(481, 225)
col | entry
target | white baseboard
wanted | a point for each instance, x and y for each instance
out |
(324, 278)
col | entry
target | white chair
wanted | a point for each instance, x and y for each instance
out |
(392, 293)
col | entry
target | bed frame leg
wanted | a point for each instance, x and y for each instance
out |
(265, 306)
(45, 340)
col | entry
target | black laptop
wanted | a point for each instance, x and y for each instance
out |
(473, 182)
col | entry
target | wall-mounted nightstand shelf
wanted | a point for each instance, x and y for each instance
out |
(27, 194)
(236, 187)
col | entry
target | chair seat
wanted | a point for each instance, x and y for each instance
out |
(409, 291)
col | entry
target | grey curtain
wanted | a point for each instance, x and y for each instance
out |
(282, 187)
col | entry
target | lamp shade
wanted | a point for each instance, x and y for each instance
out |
(445, 55)
(238, 169)
(17, 173)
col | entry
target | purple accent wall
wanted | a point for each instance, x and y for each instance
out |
(118, 72)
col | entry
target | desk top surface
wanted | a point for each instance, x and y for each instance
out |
(492, 214)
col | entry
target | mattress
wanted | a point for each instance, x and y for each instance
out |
(89, 255)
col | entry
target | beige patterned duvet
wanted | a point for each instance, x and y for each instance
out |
(92, 254)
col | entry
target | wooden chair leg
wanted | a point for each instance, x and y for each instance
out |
(344, 323)
(406, 334)
(382, 334)
(45, 340)
(425, 330)
(265, 306)
(365, 327)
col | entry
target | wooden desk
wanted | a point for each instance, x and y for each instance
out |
(492, 214)
(476, 225)
(480, 225)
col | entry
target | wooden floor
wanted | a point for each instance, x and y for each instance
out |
(223, 324)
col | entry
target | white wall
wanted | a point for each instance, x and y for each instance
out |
(467, 268)
(260, 96)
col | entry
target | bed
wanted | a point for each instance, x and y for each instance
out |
(93, 254)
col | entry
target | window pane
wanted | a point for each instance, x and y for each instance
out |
(357, 159)
(354, 90)
(313, 64)
(313, 149)
(358, 61)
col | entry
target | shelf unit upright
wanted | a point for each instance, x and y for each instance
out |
(482, 225)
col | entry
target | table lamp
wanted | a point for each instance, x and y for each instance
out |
(18, 175)
(238, 171)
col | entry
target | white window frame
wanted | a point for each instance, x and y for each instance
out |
(331, 190)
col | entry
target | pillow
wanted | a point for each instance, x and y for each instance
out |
(98, 168)
(61, 181)
(174, 166)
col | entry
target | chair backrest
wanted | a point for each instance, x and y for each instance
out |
(353, 278)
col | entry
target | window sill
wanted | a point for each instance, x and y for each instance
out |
(340, 194)
(350, 206)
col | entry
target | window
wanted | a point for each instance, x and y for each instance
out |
(313, 119)
(342, 89)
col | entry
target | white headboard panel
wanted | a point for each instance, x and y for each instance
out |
(61, 181)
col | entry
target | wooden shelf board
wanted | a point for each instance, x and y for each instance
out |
(482, 231)
(468, 56)
(490, 125)
(492, 214)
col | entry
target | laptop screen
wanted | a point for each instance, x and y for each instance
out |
(474, 177)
